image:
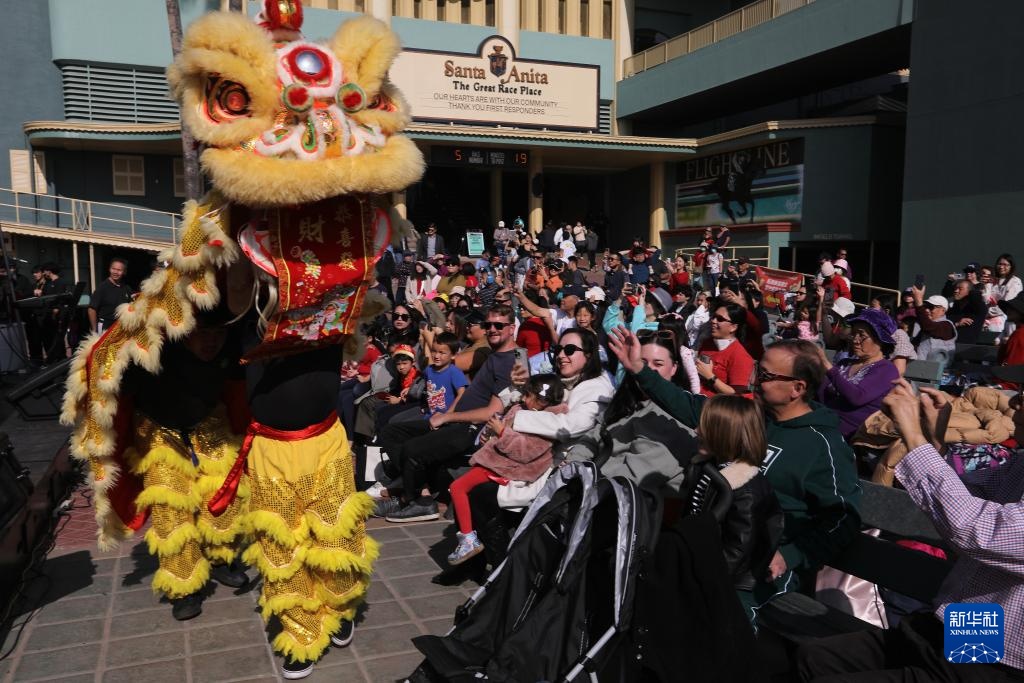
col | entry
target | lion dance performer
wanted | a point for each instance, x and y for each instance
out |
(303, 148)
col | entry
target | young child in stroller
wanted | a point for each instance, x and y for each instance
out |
(506, 455)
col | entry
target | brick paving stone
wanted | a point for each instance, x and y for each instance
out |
(143, 623)
(203, 638)
(222, 611)
(382, 614)
(230, 664)
(415, 586)
(73, 609)
(64, 635)
(136, 601)
(157, 672)
(70, 660)
(388, 534)
(401, 548)
(436, 605)
(405, 566)
(133, 650)
(430, 531)
(388, 669)
(384, 641)
(438, 627)
(378, 591)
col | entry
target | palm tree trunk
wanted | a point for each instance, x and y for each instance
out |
(190, 155)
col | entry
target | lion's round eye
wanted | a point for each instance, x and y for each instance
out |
(226, 100)
(309, 65)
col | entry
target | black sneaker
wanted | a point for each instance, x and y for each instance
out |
(345, 634)
(414, 512)
(230, 575)
(386, 506)
(292, 670)
(188, 607)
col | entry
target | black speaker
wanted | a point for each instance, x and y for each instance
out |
(40, 397)
(537, 185)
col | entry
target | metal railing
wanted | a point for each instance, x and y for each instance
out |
(118, 221)
(763, 258)
(742, 19)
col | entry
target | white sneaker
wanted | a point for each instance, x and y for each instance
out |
(377, 491)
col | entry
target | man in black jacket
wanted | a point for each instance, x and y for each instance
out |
(430, 244)
(967, 311)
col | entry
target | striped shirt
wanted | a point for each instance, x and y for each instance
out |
(987, 533)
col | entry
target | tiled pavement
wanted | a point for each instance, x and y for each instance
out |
(98, 620)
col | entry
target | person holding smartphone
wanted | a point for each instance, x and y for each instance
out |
(723, 364)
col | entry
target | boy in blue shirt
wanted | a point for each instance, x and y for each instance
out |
(445, 382)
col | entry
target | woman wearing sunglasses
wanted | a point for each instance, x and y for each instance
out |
(422, 283)
(641, 440)
(405, 324)
(723, 364)
(575, 358)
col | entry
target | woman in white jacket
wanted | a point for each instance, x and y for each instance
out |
(422, 283)
(577, 361)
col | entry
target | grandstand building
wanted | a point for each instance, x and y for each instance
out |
(887, 126)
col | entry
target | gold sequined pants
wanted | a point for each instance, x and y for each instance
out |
(183, 534)
(311, 544)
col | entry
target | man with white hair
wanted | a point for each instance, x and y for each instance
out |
(502, 236)
(937, 339)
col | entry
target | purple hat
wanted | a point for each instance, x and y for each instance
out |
(879, 321)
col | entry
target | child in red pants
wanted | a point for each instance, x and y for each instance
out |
(505, 456)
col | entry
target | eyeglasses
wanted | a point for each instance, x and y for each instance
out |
(490, 325)
(401, 316)
(721, 319)
(765, 376)
(860, 334)
(568, 350)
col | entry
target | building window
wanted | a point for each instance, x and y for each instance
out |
(179, 177)
(129, 175)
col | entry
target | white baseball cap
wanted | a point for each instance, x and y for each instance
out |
(501, 224)
(843, 306)
(937, 300)
(595, 293)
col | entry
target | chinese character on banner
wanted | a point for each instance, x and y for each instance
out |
(775, 283)
(973, 633)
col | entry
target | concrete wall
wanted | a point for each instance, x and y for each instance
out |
(84, 30)
(30, 88)
(964, 189)
(816, 28)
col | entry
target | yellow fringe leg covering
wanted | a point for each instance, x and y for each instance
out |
(311, 544)
(183, 535)
(172, 536)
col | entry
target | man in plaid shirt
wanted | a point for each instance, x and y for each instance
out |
(983, 520)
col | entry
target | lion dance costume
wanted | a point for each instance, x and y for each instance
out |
(303, 148)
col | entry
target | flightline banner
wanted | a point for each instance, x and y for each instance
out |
(762, 184)
(495, 86)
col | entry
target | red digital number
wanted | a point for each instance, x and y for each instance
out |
(458, 154)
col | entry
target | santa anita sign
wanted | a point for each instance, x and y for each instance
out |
(494, 86)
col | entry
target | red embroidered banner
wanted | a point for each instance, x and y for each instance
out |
(324, 254)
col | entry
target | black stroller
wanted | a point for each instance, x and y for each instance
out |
(558, 606)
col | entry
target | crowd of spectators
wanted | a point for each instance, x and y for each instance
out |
(488, 372)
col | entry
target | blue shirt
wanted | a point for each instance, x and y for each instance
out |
(442, 387)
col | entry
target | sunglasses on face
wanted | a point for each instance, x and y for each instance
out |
(493, 325)
(644, 335)
(764, 376)
(720, 319)
(401, 316)
(567, 349)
